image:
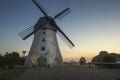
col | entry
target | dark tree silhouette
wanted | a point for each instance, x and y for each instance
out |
(9, 60)
(109, 58)
(2, 64)
(104, 56)
(24, 52)
(82, 60)
(100, 57)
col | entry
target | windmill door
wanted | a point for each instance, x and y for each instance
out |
(42, 61)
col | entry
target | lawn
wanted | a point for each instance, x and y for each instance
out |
(10, 74)
(79, 65)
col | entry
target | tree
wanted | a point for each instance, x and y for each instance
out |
(105, 57)
(2, 64)
(100, 57)
(22, 61)
(11, 59)
(15, 58)
(24, 52)
(109, 58)
(82, 60)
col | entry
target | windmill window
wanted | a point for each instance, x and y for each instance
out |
(43, 40)
(43, 48)
(43, 32)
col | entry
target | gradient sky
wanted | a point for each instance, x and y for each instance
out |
(92, 25)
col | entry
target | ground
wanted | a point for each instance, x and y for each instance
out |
(69, 73)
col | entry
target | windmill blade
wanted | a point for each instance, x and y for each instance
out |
(64, 37)
(65, 40)
(29, 31)
(24, 34)
(62, 13)
(37, 1)
(41, 9)
(63, 34)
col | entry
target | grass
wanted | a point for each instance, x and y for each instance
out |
(11, 74)
(78, 65)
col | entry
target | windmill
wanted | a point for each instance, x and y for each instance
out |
(44, 49)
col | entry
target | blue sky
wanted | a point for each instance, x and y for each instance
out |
(92, 25)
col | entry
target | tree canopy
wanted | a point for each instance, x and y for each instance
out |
(104, 56)
(82, 60)
(9, 60)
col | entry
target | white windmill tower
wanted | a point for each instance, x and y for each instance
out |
(44, 50)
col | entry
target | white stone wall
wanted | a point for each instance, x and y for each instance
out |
(50, 52)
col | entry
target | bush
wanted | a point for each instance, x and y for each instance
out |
(82, 60)
(105, 57)
(9, 60)
(109, 58)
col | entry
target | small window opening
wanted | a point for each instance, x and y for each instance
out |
(43, 48)
(43, 40)
(44, 32)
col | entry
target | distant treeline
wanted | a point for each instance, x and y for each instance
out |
(9, 60)
(103, 59)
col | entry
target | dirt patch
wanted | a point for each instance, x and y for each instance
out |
(69, 73)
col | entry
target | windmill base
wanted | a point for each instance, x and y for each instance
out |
(43, 62)
(49, 65)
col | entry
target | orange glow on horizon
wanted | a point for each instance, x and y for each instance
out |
(75, 56)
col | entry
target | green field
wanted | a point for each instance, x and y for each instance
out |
(78, 65)
(10, 74)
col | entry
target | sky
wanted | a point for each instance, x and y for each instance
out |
(92, 25)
